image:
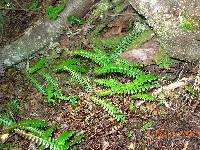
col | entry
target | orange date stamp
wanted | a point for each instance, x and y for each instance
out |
(171, 133)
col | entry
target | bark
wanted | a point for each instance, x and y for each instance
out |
(44, 33)
(165, 16)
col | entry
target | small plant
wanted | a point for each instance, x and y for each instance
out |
(34, 5)
(130, 133)
(75, 20)
(52, 91)
(146, 126)
(189, 23)
(53, 12)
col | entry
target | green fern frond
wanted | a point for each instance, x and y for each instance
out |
(143, 96)
(116, 113)
(36, 84)
(46, 142)
(127, 88)
(118, 68)
(124, 44)
(108, 82)
(5, 121)
(41, 63)
(99, 57)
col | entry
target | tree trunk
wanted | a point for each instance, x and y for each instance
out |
(177, 24)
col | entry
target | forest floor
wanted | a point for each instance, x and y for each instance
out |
(149, 125)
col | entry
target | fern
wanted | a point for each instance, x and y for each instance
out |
(122, 68)
(33, 130)
(108, 82)
(116, 113)
(58, 144)
(143, 96)
(41, 63)
(124, 44)
(46, 142)
(99, 57)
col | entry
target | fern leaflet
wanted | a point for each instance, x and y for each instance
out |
(42, 62)
(116, 113)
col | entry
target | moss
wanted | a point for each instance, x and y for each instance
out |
(163, 60)
(189, 23)
(103, 43)
(145, 36)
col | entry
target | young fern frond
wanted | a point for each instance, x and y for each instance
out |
(118, 68)
(41, 63)
(124, 44)
(108, 82)
(143, 96)
(113, 111)
(127, 88)
(100, 57)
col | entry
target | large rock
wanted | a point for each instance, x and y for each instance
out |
(36, 38)
(177, 24)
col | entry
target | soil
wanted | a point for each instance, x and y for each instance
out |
(173, 127)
